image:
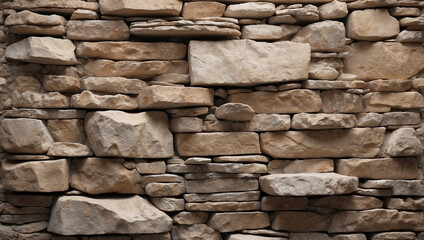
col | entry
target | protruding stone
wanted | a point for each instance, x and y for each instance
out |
(29, 18)
(120, 215)
(250, 10)
(69, 149)
(319, 165)
(150, 167)
(100, 30)
(323, 121)
(88, 99)
(231, 221)
(128, 8)
(352, 202)
(120, 134)
(191, 217)
(41, 100)
(196, 231)
(300, 221)
(234, 112)
(262, 32)
(220, 185)
(402, 142)
(84, 14)
(58, 83)
(338, 101)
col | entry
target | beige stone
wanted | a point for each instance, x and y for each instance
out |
(301, 166)
(405, 11)
(196, 231)
(220, 185)
(325, 69)
(60, 4)
(410, 37)
(190, 217)
(333, 10)
(398, 100)
(188, 112)
(292, 101)
(246, 158)
(371, 25)
(128, 8)
(247, 196)
(41, 100)
(250, 10)
(212, 62)
(230, 222)
(59, 83)
(405, 203)
(68, 149)
(29, 18)
(217, 168)
(323, 121)
(300, 221)
(371, 4)
(120, 134)
(84, 14)
(402, 142)
(174, 97)
(312, 184)
(186, 124)
(36, 176)
(24, 135)
(307, 236)
(132, 51)
(26, 30)
(352, 202)
(234, 112)
(369, 119)
(113, 85)
(402, 61)
(394, 236)
(262, 32)
(382, 220)
(326, 84)
(99, 30)
(338, 101)
(396, 85)
(150, 167)
(355, 236)
(218, 143)
(355, 142)
(67, 130)
(274, 203)
(26, 83)
(164, 189)
(43, 50)
(252, 237)
(202, 9)
(223, 206)
(327, 36)
(88, 99)
(45, 113)
(119, 215)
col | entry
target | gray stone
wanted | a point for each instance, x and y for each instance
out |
(250, 10)
(338, 101)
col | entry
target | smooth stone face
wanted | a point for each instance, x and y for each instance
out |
(262, 32)
(221, 185)
(68, 149)
(371, 25)
(402, 61)
(250, 10)
(99, 30)
(218, 143)
(113, 85)
(42, 50)
(104, 175)
(128, 8)
(307, 184)
(29, 4)
(36, 176)
(138, 135)
(24, 135)
(300, 221)
(192, 10)
(323, 36)
(355, 142)
(212, 63)
(323, 121)
(87, 99)
(132, 51)
(196, 231)
(393, 236)
(83, 14)
(222, 197)
(230, 222)
(353, 202)
(234, 112)
(402, 142)
(174, 97)
(307, 236)
(333, 10)
(121, 215)
(292, 101)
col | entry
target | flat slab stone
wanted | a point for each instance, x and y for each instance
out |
(88, 99)
(59, 4)
(355, 142)
(323, 121)
(189, 31)
(399, 100)
(120, 215)
(222, 197)
(250, 10)
(99, 30)
(246, 63)
(26, 30)
(223, 206)
(297, 221)
(113, 85)
(307, 184)
(231, 221)
(45, 113)
(218, 185)
(29, 18)
(128, 8)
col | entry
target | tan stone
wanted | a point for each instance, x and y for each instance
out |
(325, 69)
(150, 167)
(250, 10)
(217, 168)
(45, 113)
(164, 189)
(300, 221)
(234, 112)
(252, 237)
(43, 50)
(262, 32)
(223, 206)
(60, 4)
(405, 11)
(369, 119)
(410, 37)
(26, 30)
(398, 100)
(219, 143)
(166, 178)
(355, 236)
(99, 30)
(312, 184)
(186, 124)
(301, 166)
(29, 18)
(402, 142)
(174, 97)
(68, 130)
(274, 203)
(41, 100)
(190, 217)
(196, 231)
(128, 8)
(292, 101)
(132, 51)
(353, 202)
(36, 176)
(360, 4)
(325, 84)
(371, 25)
(402, 61)
(212, 62)
(113, 85)
(247, 158)
(58, 83)
(355, 142)
(188, 112)
(323, 121)
(229, 222)
(376, 220)
(333, 10)
(120, 134)
(338, 101)
(88, 99)
(405, 203)
(397, 85)
(394, 236)
(307, 236)
(68, 149)
(220, 185)
(84, 14)
(119, 215)
(202, 9)
(24, 135)
(25, 83)
(247, 196)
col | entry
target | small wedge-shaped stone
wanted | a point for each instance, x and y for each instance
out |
(174, 97)
(234, 221)
(24, 135)
(29, 18)
(138, 135)
(132, 51)
(355, 142)
(119, 215)
(128, 8)
(246, 62)
(113, 85)
(402, 142)
(43, 50)
(99, 30)
(250, 10)
(36, 176)
(323, 121)
(235, 112)
(292, 101)
(87, 99)
(307, 184)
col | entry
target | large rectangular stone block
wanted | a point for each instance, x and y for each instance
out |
(127, 8)
(217, 185)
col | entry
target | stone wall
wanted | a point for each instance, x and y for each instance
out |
(232, 119)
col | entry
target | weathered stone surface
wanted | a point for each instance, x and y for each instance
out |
(41, 100)
(405, 204)
(37, 176)
(292, 101)
(327, 36)
(247, 158)
(223, 206)
(355, 142)
(371, 25)
(88, 99)
(120, 134)
(99, 30)
(325, 69)
(168, 204)
(355, 236)
(212, 63)
(301, 166)
(394, 236)
(191, 217)
(262, 32)
(404, 12)
(410, 37)
(218, 143)
(150, 167)
(323, 121)
(26, 30)
(69, 149)
(21, 219)
(353, 202)
(192, 10)
(333, 10)
(84, 14)
(132, 51)
(134, 69)
(222, 197)
(396, 85)
(29, 18)
(210, 29)
(338, 101)
(186, 124)
(24, 135)
(128, 8)
(26, 200)
(397, 100)
(327, 84)
(164, 189)
(113, 85)
(252, 237)
(104, 175)
(273, 203)
(58, 83)
(174, 97)
(221, 185)
(45, 113)
(43, 50)
(60, 4)
(300, 221)
(250, 10)
(234, 112)
(312, 184)
(402, 142)
(196, 231)
(388, 168)
(230, 222)
(402, 61)
(122, 215)
(31, 227)
(307, 236)
(369, 119)
(382, 220)
(215, 168)
(68, 130)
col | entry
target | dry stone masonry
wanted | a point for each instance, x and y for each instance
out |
(211, 119)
